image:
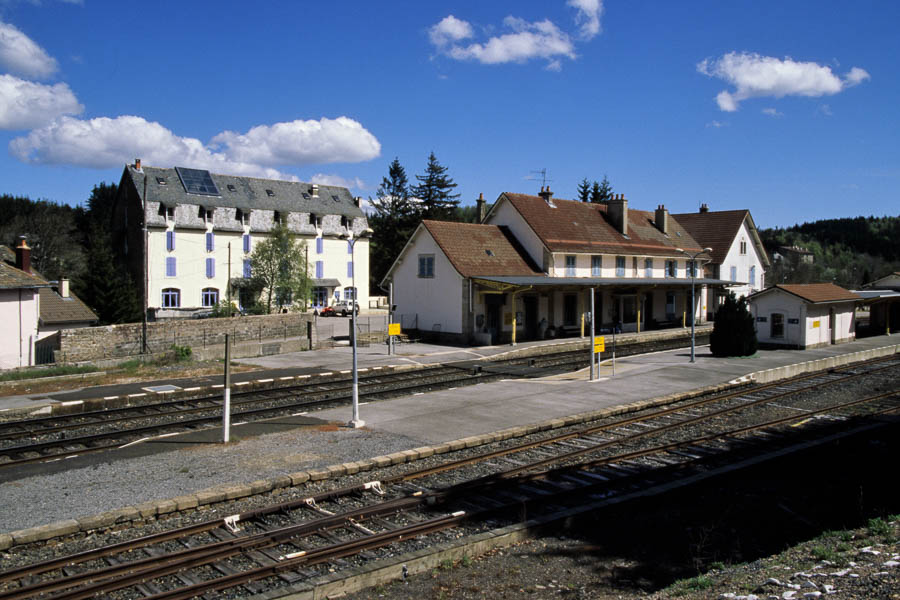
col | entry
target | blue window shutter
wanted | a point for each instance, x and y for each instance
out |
(170, 240)
(319, 245)
(246, 242)
(320, 266)
(349, 247)
(248, 269)
(210, 242)
(170, 266)
(210, 267)
(350, 269)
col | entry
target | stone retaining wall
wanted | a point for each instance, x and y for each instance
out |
(123, 341)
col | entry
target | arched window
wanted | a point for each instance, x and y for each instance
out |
(171, 298)
(210, 296)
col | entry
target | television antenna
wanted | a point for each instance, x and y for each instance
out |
(543, 174)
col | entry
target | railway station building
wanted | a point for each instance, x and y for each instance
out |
(528, 270)
(804, 315)
(202, 228)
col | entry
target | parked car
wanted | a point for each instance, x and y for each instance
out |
(344, 307)
(326, 311)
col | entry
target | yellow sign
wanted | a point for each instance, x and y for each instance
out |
(815, 324)
(394, 329)
(599, 345)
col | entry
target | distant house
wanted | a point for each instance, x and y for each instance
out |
(529, 269)
(804, 315)
(58, 308)
(202, 228)
(738, 254)
(20, 302)
(794, 255)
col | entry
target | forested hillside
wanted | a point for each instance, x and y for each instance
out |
(848, 252)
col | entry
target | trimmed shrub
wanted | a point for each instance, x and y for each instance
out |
(733, 332)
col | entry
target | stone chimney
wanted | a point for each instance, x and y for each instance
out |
(481, 208)
(315, 190)
(63, 287)
(662, 219)
(547, 195)
(704, 208)
(618, 213)
(357, 200)
(23, 255)
(137, 164)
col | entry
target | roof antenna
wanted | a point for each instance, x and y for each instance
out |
(543, 174)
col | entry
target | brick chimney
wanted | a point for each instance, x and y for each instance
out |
(481, 208)
(662, 219)
(704, 208)
(547, 195)
(618, 213)
(23, 255)
(137, 164)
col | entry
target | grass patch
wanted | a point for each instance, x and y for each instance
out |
(694, 584)
(48, 372)
(879, 526)
(824, 553)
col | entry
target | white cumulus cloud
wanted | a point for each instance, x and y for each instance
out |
(20, 55)
(755, 76)
(25, 104)
(110, 142)
(449, 30)
(301, 142)
(588, 17)
(772, 112)
(518, 41)
(525, 41)
(337, 180)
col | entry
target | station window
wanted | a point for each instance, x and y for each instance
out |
(426, 266)
(620, 266)
(210, 297)
(648, 267)
(570, 265)
(171, 298)
(777, 326)
(734, 273)
(671, 268)
(596, 266)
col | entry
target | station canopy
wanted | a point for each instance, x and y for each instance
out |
(530, 282)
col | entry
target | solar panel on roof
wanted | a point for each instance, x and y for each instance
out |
(197, 181)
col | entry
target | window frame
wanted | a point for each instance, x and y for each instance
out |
(620, 266)
(596, 265)
(648, 268)
(672, 269)
(776, 326)
(571, 262)
(167, 297)
(426, 266)
(209, 297)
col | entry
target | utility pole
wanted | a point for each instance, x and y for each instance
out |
(228, 284)
(146, 290)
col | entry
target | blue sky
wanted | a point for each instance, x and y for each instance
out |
(789, 109)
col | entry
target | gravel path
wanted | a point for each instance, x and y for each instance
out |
(89, 491)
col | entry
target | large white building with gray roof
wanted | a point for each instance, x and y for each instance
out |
(202, 228)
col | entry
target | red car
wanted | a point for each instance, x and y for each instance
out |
(327, 311)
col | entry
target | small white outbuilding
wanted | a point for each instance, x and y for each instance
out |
(806, 315)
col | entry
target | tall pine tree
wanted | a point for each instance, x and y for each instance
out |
(601, 192)
(584, 190)
(433, 192)
(393, 221)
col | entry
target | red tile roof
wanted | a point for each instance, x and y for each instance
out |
(715, 230)
(818, 292)
(481, 250)
(585, 227)
(13, 278)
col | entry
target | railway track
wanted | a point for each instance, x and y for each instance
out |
(53, 438)
(283, 544)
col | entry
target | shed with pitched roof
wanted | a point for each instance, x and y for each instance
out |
(806, 315)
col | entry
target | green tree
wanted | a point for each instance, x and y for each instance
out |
(393, 220)
(584, 190)
(733, 333)
(105, 287)
(433, 192)
(279, 269)
(601, 192)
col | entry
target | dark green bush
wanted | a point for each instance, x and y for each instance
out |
(733, 332)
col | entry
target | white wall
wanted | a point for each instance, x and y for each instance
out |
(19, 311)
(743, 262)
(813, 326)
(427, 301)
(506, 214)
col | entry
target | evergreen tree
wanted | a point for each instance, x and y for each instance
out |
(601, 192)
(106, 288)
(733, 333)
(584, 190)
(393, 221)
(433, 192)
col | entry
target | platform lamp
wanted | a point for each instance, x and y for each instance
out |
(355, 422)
(693, 258)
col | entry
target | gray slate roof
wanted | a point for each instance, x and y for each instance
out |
(249, 193)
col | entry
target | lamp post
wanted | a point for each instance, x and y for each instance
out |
(355, 422)
(693, 258)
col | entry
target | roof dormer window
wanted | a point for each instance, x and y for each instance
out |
(161, 181)
(270, 193)
(231, 187)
